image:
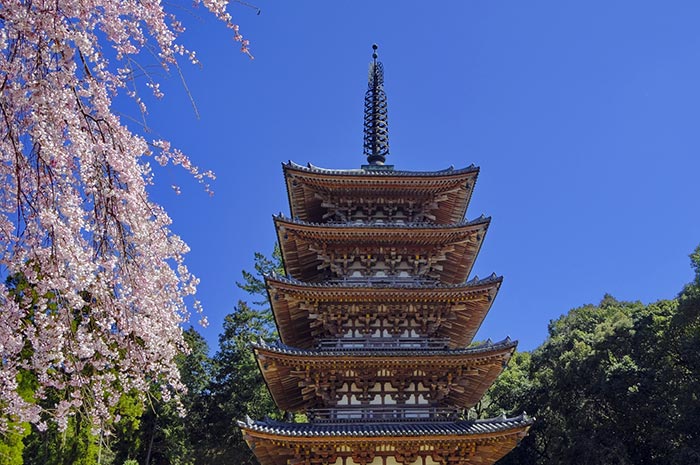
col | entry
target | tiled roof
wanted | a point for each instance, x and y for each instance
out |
(374, 283)
(428, 428)
(485, 347)
(381, 173)
(387, 225)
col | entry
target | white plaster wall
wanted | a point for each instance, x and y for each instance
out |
(376, 461)
(389, 461)
(392, 461)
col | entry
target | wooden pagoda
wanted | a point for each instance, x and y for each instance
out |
(376, 317)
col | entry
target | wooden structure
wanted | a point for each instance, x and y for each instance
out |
(376, 317)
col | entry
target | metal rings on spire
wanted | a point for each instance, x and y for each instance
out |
(376, 131)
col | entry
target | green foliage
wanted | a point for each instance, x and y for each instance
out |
(197, 371)
(127, 431)
(504, 394)
(682, 370)
(166, 437)
(254, 283)
(695, 263)
(12, 445)
(12, 441)
(238, 388)
(614, 383)
(77, 444)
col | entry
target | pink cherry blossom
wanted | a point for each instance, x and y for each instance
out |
(98, 296)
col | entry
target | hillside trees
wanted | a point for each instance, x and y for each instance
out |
(238, 389)
(682, 370)
(164, 435)
(76, 221)
(614, 383)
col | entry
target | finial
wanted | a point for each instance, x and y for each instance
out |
(376, 140)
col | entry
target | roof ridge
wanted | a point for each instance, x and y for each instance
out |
(482, 219)
(485, 347)
(378, 173)
(386, 283)
(400, 428)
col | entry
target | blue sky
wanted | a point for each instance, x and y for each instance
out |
(583, 116)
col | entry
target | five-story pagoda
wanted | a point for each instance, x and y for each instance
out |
(375, 317)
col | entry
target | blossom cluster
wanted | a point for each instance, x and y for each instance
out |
(95, 283)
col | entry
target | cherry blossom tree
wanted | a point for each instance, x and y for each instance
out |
(95, 283)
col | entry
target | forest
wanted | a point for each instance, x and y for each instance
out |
(614, 383)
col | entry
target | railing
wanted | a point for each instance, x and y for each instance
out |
(382, 414)
(383, 280)
(405, 343)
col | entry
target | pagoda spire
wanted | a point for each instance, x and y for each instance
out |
(376, 143)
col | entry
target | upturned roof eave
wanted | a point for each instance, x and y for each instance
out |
(427, 228)
(276, 365)
(388, 287)
(320, 179)
(442, 429)
(360, 172)
(481, 351)
(376, 233)
(275, 442)
(285, 294)
(468, 238)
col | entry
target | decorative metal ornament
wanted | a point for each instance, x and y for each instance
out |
(376, 143)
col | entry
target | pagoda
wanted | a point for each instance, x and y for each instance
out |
(376, 317)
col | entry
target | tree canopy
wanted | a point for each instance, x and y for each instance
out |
(614, 383)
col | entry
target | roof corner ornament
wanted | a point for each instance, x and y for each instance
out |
(376, 140)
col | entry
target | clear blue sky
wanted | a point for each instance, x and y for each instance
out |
(583, 116)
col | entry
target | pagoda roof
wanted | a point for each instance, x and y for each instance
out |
(287, 296)
(470, 370)
(382, 284)
(482, 441)
(375, 172)
(390, 429)
(455, 186)
(360, 355)
(461, 242)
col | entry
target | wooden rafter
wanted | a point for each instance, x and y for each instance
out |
(275, 448)
(299, 380)
(314, 252)
(445, 194)
(305, 312)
